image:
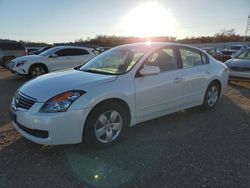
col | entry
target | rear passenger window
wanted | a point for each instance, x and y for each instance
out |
(190, 58)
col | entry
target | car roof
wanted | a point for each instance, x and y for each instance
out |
(76, 47)
(156, 45)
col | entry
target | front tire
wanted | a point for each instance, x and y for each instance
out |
(37, 70)
(212, 96)
(105, 124)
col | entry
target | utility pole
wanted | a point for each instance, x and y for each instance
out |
(247, 33)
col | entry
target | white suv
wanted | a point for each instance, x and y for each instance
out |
(57, 58)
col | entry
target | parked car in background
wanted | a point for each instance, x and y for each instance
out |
(102, 49)
(119, 88)
(40, 50)
(53, 59)
(237, 47)
(213, 52)
(228, 54)
(31, 49)
(239, 66)
(9, 51)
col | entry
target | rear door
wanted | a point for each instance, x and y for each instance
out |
(195, 73)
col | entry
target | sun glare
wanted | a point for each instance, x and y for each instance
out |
(149, 19)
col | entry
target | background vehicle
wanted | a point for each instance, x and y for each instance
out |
(40, 50)
(102, 49)
(213, 52)
(9, 51)
(238, 48)
(57, 58)
(31, 49)
(228, 54)
(239, 66)
(124, 86)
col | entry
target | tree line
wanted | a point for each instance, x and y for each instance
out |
(111, 41)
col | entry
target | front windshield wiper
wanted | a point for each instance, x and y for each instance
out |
(96, 71)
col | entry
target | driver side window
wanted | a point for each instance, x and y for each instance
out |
(165, 59)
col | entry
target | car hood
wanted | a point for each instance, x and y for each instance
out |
(47, 86)
(238, 63)
(28, 58)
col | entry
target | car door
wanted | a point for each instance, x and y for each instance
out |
(61, 59)
(156, 94)
(196, 73)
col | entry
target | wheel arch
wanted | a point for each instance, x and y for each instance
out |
(218, 82)
(118, 101)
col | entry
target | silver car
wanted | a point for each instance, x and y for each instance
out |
(239, 66)
(9, 51)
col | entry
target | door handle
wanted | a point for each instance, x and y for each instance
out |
(177, 80)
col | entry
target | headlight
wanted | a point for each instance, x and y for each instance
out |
(61, 102)
(21, 63)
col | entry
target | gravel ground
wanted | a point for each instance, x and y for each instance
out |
(191, 148)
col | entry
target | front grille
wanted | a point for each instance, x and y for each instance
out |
(241, 69)
(34, 132)
(23, 101)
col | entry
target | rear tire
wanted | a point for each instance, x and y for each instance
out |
(212, 96)
(105, 124)
(37, 70)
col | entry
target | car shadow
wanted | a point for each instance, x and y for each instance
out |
(242, 86)
(191, 148)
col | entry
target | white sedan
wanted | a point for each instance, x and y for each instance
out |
(117, 89)
(53, 59)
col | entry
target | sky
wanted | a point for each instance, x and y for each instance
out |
(67, 20)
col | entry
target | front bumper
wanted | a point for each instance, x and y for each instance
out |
(50, 128)
(21, 70)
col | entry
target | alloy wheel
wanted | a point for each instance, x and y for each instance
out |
(212, 96)
(108, 126)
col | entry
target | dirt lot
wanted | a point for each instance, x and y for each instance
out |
(192, 148)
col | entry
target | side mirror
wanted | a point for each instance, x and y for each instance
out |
(149, 70)
(54, 56)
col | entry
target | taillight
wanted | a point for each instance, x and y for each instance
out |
(25, 52)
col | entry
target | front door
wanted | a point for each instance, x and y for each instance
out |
(162, 92)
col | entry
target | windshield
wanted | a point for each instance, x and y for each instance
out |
(48, 52)
(244, 55)
(116, 61)
(43, 49)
